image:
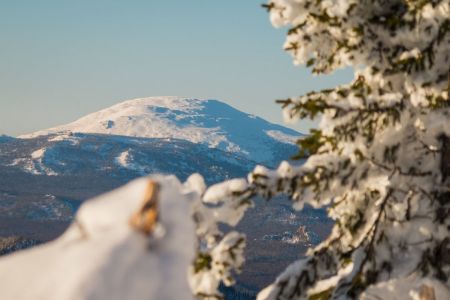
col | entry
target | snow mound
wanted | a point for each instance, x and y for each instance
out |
(101, 257)
(204, 121)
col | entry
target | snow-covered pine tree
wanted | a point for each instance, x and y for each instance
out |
(380, 160)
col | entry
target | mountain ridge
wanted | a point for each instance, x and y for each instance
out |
(204, 121)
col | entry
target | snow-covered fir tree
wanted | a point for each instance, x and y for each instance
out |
(379, 162)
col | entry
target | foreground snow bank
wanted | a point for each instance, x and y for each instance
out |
(102, 257)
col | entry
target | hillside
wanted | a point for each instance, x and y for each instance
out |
(207, 122)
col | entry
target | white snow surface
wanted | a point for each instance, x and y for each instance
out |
(407, 289)
(282, 137)
(101, 257)
(204, 121)
(126, 161)
(35, 165)
(38, 153)
(122, 159)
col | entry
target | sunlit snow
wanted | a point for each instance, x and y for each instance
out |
(209, 122)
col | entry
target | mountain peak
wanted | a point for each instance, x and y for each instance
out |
(206, 121)
(172, 102)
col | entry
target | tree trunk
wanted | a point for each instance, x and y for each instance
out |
(445, 146)
(445, 157)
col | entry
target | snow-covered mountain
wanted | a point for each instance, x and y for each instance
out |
(208, 122)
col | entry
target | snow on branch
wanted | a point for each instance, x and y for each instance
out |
(378, 161)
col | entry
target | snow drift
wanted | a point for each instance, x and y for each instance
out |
(101, 256)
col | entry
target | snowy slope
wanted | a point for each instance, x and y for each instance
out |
(99, 155)
(209, 122)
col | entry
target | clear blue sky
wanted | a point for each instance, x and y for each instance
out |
(60, 60)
